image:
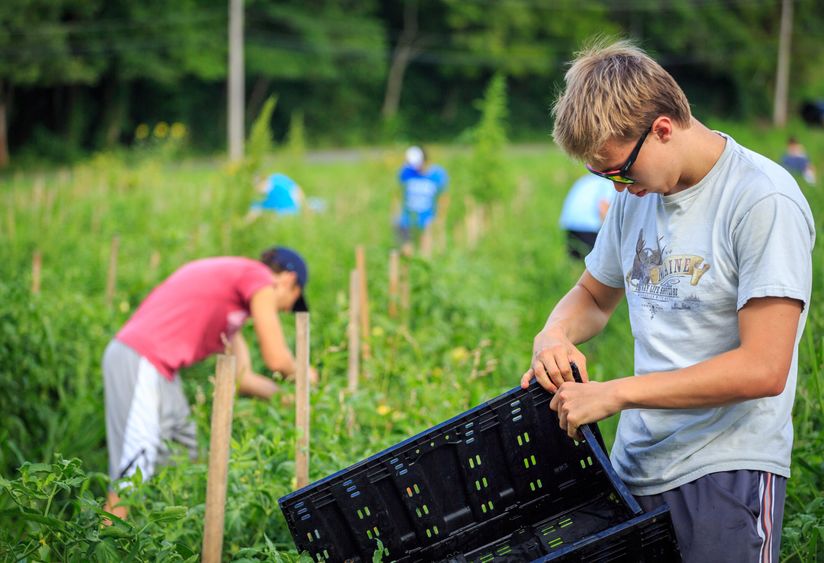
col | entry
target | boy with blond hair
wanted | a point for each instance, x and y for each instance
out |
(711, 245)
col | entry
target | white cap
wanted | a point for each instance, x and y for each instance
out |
(414, 157)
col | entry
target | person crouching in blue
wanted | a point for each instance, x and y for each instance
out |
(281, 195)
(422, 186)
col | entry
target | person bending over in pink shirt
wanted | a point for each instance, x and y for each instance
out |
(196, 312)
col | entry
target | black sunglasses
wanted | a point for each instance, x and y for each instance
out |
(620, 174)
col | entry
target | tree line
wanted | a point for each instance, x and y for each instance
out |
(80, 75)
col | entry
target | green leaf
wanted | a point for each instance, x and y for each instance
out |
(116, 531)
(34, 517)
(168, 513)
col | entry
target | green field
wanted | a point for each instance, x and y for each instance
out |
(467, 337)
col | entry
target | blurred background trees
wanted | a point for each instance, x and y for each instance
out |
(83, 75)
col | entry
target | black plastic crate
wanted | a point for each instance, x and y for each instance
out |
(500, 482)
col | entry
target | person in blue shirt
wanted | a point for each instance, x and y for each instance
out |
(282, 195)
(422, 185)
(583, 213)
(796, 161)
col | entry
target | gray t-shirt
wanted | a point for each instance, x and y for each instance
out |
(688, 262)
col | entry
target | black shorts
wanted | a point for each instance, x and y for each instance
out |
(580, 243)
(726, 516)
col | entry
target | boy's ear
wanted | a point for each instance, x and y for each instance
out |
(663, 128)
(290, 276)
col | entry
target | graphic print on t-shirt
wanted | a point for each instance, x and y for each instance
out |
(657, 278)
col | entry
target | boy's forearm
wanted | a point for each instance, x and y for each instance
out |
(728, 378)
(285, 364)
(577, 316)
(255, 385)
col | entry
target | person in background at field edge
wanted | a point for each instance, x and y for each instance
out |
(711, 245)
(422, 186)
(196, 312)
(583, 212)
(281, 195)
(795, 160)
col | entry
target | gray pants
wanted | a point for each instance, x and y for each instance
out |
(731, 516)
(144, 412)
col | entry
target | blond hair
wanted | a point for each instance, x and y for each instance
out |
(613, 91)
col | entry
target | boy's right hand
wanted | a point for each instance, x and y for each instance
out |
(552, 353)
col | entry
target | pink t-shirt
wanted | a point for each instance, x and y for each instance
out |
(182, 319)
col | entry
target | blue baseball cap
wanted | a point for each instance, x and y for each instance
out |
(289, 260)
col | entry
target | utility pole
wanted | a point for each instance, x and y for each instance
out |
(236, 78)
(782, 73)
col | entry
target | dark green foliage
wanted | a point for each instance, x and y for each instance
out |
(83, 74)
(49, 357)
(51, 512)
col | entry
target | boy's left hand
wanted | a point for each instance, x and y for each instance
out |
(581, 403)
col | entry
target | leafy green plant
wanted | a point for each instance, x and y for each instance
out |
(51, 512)
(296, 139)
(489, 176)
(53, 403)
(260, 142)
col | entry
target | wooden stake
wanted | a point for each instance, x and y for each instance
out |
(354, 336)
(36, 267)
(10, 221)
(394, 273)
(426, 242)
(97, 215)
(236, 82)
(406, 250)
(302, 399)
(440, 224)
(112, 277)
(154, 261)
(39, 193)
(226, 238)
(202, 233)
(51, 196)
(782, 68)
(219, 459)
(474, 225)
(469, 217)
(363, 305)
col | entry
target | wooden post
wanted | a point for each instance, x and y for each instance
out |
(226, 238)
(394, 272)
(202, 234)
(112, 277)
(440, 224)
(782, 67)
(235, 87)
(219, 459)
(302, 399)
(426, 242)
(406, 250)
(474, 225)
(39, 187)
(354, 336)
(36, 267)
(10, 221)
(469, 222)
(154, 261)
(363, 297)
(97, 216)
(51, 196)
